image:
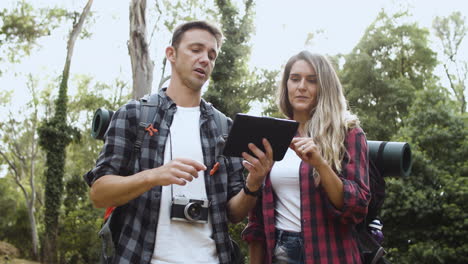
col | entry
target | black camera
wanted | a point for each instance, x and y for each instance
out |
(189, 210)
(393, 159)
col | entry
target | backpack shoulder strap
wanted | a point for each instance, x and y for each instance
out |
(148, 108)
(221, 121)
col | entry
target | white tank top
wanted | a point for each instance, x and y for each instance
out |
(285, 182)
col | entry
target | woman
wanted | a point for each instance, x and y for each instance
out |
(315, 196)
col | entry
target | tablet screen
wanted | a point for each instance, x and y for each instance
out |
(251, 129)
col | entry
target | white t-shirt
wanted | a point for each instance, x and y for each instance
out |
(176, 241)
(285, 182)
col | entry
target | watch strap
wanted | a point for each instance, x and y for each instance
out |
(256, 193)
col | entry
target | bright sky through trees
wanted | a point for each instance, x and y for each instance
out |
(282, 28)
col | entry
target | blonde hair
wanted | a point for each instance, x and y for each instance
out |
(330, 119)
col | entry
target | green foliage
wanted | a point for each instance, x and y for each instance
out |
(80, 224)
(389, 82)
(173, 12)
(23, 25)
(227, 90)
(19, 150)
(437, 130)
(451, 32)
(235, 231)
(14, 218)
(262, 87)
(425, 214)
(381, 74)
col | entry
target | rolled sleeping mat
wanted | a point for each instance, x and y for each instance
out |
(101, 121)
(393, 159)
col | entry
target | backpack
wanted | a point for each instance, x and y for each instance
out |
(149, 104)
(372, 251)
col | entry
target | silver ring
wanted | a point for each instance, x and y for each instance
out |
(302, 147)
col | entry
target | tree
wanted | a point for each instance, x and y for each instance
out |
(227, 90)
(425, 215)
(80, 225)
(451, 32)
(55, 134)
(22, 26)
(261, 88)
(380, 76)
(21, 154)
(80, 221)
(389, 81)
(14, 217)
(138, 48)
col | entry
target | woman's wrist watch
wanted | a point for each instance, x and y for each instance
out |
(256, 193)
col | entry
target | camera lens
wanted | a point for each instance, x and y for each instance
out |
(192, 211)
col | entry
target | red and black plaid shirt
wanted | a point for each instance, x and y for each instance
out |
(328, 232)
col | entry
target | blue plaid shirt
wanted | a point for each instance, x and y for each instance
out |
(134, 224)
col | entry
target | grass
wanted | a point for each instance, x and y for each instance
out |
(18, 261)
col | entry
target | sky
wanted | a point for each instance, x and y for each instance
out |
(281, 28)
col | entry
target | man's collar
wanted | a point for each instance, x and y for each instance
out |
(205, 107)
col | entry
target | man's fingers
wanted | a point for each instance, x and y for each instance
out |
(197, 165)
(178, 181)
(189, 169)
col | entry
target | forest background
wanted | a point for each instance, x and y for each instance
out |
(406, 81)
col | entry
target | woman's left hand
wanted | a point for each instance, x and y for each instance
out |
(307, 150)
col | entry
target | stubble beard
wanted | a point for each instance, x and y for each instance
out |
(194, 84)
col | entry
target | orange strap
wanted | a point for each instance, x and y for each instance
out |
(214, 169)
(151, 130)
(108, 212)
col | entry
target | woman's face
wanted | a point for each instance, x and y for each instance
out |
(302, 89)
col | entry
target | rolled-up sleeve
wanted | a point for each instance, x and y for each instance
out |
(254, 231)
(236, 176)
(235, 171)
(355, 177)
(118, 147)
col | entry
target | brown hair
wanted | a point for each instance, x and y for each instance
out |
(198, 24)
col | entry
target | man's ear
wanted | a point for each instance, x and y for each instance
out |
(171, 53)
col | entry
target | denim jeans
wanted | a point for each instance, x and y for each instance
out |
(289, 248)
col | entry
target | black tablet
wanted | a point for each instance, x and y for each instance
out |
(251, 129)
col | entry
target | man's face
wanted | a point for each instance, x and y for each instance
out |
(195, 57)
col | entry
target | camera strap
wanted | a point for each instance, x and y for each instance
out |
(379, 159)
(170, 158)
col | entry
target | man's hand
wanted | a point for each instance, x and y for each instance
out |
(115, 190)
(178, 171)
(258, 166)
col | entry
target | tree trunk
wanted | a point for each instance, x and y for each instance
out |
(54, 138)
(22, 164)
(142, 65)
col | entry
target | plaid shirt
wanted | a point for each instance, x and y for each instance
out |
(328, 232)
(138, 219)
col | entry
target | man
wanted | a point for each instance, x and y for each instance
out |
(177, 161)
